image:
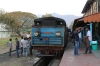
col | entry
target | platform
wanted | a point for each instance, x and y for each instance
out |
(69, 59)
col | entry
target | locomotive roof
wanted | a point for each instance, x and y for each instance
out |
(44, 18)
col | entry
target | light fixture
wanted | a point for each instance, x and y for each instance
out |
(58, 33)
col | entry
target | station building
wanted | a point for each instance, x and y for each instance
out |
(90, 18)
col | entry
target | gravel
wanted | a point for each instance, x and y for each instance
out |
(5, 60)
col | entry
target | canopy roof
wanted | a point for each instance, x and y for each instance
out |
(87, 19)
(92, 18)
(87, 5)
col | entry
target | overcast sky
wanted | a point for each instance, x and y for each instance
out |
(62, 7)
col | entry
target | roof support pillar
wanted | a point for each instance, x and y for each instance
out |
(91, 29)
(83, 33)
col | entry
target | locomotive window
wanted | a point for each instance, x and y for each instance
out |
(37, 23)
(59, 23)
(49, 23)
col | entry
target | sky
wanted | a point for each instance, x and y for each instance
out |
(62, 7)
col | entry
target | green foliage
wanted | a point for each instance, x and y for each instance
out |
(47, 15)
(17, 21)
(66, 25)
(4, 41)
(71, 25)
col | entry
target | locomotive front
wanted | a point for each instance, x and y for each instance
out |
(48, 36)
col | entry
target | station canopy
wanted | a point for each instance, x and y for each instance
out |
(92, 18)
(80, 22)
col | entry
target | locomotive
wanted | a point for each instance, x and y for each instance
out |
(49, 36)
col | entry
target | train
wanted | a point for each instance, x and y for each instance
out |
(49, 36)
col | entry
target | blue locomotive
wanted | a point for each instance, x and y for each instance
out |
(49, 36)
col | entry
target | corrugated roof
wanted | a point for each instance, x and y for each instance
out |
(92, 18)
(87, 5)
(79, 22)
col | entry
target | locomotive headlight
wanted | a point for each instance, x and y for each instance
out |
(36, 33)
(58, 33)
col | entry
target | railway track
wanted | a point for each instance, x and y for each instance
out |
(55, 62)
(5, 56)
(44, 61)
(7, 52)
(48, 61)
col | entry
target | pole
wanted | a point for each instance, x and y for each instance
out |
(91, 30)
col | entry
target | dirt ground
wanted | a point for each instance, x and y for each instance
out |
(4, 44)
(5, 60)
(22, 61)
(4, 49)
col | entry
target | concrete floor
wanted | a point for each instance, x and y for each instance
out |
(97, 52)
(69, 59)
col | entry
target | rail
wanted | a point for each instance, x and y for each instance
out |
(44, 61)
(7, 52)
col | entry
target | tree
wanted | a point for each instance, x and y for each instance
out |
(47, 15)
(66, 25)
(2, 11)
(71, 25)
(18, 21)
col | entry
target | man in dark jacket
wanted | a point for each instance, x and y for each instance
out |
(76, 47)
(17, 47)
(30, 45)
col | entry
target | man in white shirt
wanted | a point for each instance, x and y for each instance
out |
(25, 47)
(89, 36)
(80, 39)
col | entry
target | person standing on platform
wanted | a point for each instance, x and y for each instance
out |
(88, 41)
(80, 38)
(76, 47)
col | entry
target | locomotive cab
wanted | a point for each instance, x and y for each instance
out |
(49, 35)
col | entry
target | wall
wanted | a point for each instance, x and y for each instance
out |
(98, 5)
(3, 32)
(93, 8)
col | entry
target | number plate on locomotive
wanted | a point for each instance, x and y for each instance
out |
(47, 32)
